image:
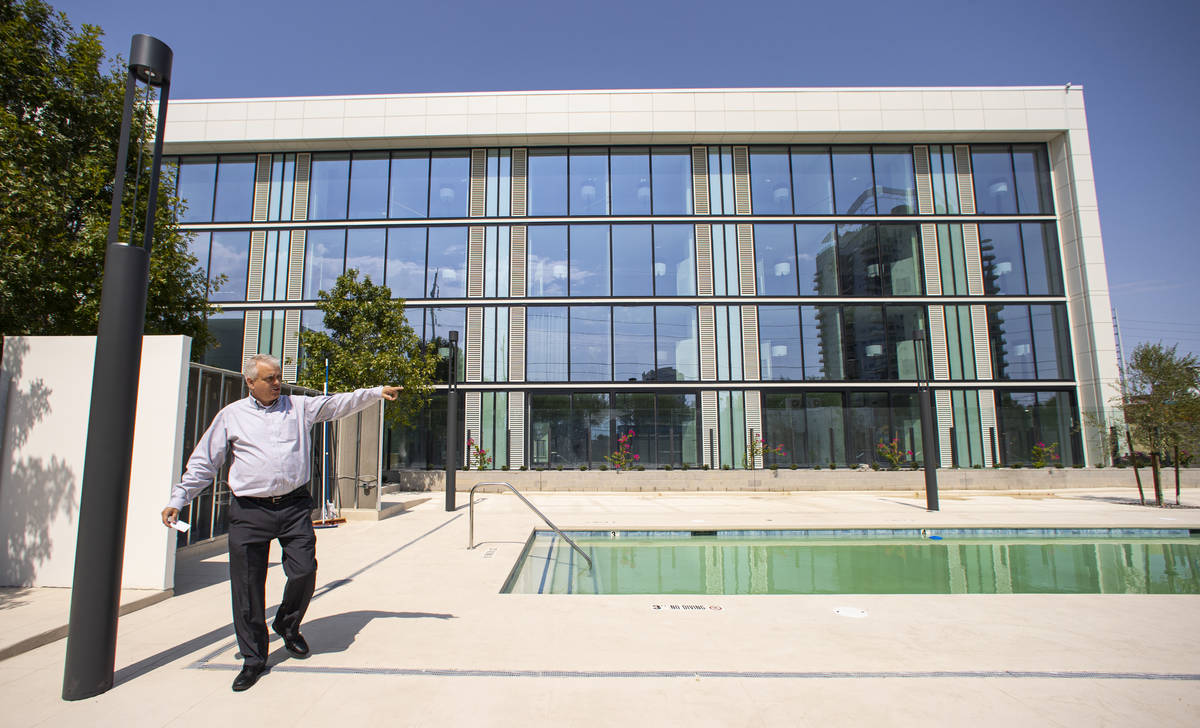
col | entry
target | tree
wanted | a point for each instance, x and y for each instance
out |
(59, 126)
(369, 342)
(1160, 402)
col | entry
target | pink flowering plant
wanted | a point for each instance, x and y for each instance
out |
(757, 447)
(477, 456)
(622, 458)
(1042, 454)
(891, 452)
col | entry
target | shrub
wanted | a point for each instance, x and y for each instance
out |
(706, 466)
(833, 466)
(524, 467)
(977, 467)
(504, 467)
(685, 466)
(666, 467)
(794, 466)
(1042, 454)
(997, 465)
(816, 467)
(604, 467)
(1099, 465)
(774, 466)
(724, 467)
(583, 467)
(641, 467)
(875, 466)
(1058, 465)
(559, 467)
(1077, 466)
(1017, 466)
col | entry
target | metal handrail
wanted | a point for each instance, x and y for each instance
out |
(471, 519)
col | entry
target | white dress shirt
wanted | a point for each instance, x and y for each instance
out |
(271, 446)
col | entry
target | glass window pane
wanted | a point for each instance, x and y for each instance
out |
(779, 343)
(549, 429)
(369, 185)
(677, 425)
(1033, 180)
(816, 260)
(406, 262)
(903, 322)
(1003, 262)
(323, 258)
(895, 185)
(900, 260)
(821, 327)
(854, 187)
(546, 272)
(589, 181)
(547, 182)
(590, 415)
(198, 246)
(409, 185)
(1043, 264)
(328, 186)
(991, 167)
(674, 260)
(633, 343)
(867, 424)
(235, 188)
(197, 177)
(631, 260)
(826, 428)
(589, 260)
(812, 181)
(865, 343)
(630, 180)
(858, 261)
(230, 258)
(770, 183)
(365, 251)
(449, 184)
(447, 262)
(635, 413)
(671, 177)
(225, 351)
(676, 344)
(1011, 342)
(546, 343)
(775, 259)
(1051, 341)
(590, 344)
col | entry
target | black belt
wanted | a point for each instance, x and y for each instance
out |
(275, 498)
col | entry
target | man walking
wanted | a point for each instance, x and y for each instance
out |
(268, 441)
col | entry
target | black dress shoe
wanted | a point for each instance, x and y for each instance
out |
(247, 677)
(296, 645)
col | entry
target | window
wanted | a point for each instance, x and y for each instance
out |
(547, 182)
(369, 185)
(770, 181)
(328, 186)
(408, 194)
(230, 257)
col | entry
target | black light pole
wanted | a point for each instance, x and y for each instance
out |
(100, 546)
(928, 431)
(452, 423)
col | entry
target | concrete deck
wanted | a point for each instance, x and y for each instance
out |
(408, 628)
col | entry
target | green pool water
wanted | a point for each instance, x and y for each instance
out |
(874, 561)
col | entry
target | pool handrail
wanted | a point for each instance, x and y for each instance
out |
(471, 519)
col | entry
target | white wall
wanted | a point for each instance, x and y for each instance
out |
(47, 390)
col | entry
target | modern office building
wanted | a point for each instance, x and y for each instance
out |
(702, 267)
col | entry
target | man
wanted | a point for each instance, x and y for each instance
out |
(268, 439)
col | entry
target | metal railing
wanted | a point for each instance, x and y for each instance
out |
(532, 507)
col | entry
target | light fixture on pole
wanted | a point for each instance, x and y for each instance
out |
(100, 545)
(928, 428)
(452, 423)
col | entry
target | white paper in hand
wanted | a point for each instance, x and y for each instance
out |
(181, 526)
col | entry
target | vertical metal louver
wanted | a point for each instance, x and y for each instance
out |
(745, 248)
(472, 407)
(254, 280)
(933, 269)
(741, 180)
(704, 262)
(291, 344)
(516, 429)
(295, 282)
(253, 320)
(754, 420)
(937, 343)
(987, 421)
(516, 344)
(300, 189)
(519, 182)
(709, 434)
(478, 203)
(516, 261)
(983, 348)
(474, 363)
(966, 182)
(708, 344)
(945, 420)
(700, 180)
(262, 188)
(750, 361)
(475, 261)
(972, 259)
(924, 179)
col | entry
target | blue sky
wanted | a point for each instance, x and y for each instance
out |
(1137, 62)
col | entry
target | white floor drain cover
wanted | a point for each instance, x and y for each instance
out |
(850, 612)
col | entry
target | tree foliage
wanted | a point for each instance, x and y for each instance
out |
(1161, 401)
(59, 126)
(368, 343)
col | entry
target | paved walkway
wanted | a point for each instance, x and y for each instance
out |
(408, 628)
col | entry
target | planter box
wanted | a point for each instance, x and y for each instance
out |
(598, 481)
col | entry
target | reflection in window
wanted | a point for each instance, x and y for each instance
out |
(821, 327)
(770, 181)
(408, 194)
(779, 343)
(630, 180)
(633, 343)
(812, 181)
(328, 185)
(895, 185)
(904, 347)
(547, 182)
(589, 273)
(447, 262)
(995, 192)
(235, 188)
(631, 260)
(674, 260)
(449, 184)
(671, 178)
(865, 343)
(590, 354)
(775, 259)
(546, 348)
(1032, 173)
(676, 344)
(225, 351)
(323, 260)
(365, 253)
(854, 187)
(589, 181)
(197, 177)
(816, 260)
(406, 262)
(1020, 259)
(230, 257)
(858, 261)
(1025, 418)
(1030, 342)
(369, 185)
(198, 246)
(546, 270)
(900, 260)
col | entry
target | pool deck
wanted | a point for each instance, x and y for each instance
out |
(408, 628)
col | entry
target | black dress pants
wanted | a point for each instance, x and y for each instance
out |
(253, 524)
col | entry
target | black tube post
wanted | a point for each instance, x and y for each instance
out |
(928, 426)
(104, 501)
(452, 424)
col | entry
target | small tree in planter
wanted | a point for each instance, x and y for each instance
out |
(756, 447)
(1041, 454)
(622, 458)
(477, 456)
(891, 452)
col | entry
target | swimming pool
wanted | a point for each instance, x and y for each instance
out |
(863, 561)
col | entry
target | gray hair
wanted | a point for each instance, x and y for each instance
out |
(250, 368)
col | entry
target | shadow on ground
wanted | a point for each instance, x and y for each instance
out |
(337, 632)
